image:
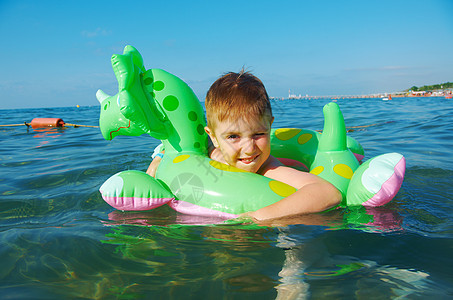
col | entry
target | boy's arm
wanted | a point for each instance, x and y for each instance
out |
(311, 198)
(314, 194)
(153, 166)
(157, 157)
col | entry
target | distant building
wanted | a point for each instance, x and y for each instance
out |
(293, 96)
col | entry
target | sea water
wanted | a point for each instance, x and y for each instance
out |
(60, 240)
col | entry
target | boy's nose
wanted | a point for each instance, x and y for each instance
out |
(249, 147)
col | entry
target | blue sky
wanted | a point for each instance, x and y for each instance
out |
(57, 53)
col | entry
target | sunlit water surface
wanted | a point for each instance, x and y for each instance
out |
(60, 240)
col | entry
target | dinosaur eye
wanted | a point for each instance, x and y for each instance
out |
(106, 106)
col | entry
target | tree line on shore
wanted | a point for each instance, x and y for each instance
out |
(441, 86)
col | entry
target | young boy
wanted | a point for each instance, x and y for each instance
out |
(239, 119)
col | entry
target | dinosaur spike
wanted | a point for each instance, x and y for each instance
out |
(137, 58)
(123, 67)
(333, 136)
(101, 96)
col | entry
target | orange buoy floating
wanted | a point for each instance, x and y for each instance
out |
(46, 122)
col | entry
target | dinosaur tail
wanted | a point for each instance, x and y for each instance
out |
(334, 161)
(333, 136)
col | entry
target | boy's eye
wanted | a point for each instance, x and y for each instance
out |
(232, 136)
(260, 134)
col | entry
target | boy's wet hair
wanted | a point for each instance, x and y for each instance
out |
(237, 95)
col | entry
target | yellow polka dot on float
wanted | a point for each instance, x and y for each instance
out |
(343, 170)
(224, 167)
(180, 158)
(318, 170)
(304, 138)
(281, 189)
(285, 134)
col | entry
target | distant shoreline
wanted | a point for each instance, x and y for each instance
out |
(448, 93)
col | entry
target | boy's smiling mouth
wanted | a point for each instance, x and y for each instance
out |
(248, 160)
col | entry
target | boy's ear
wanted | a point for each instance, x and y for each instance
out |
(211, 136)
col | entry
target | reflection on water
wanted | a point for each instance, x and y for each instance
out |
(45, 134)
(310, 263)
(300, 263)
(60, 240)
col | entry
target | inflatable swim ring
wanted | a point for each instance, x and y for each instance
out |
(160, 104)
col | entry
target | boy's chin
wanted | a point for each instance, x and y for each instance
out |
(249, 167)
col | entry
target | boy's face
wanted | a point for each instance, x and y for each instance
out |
(243, 144)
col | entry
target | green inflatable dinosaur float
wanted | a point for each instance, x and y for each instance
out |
(160, 104)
